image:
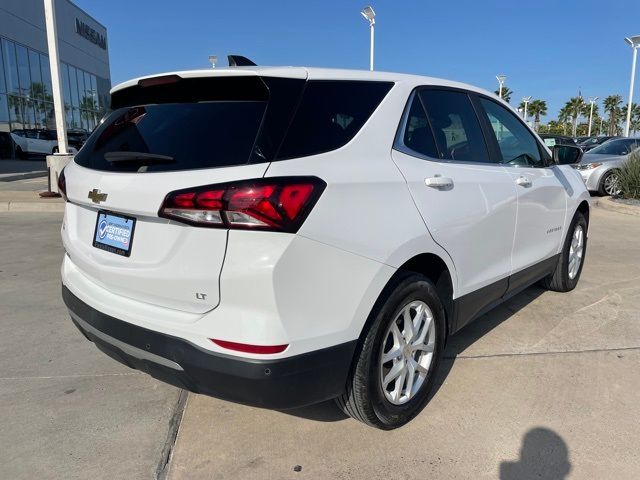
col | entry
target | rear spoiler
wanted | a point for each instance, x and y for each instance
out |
(240, 61)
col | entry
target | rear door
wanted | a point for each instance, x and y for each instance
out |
(468, 203)
(542, 198)
(165, 135)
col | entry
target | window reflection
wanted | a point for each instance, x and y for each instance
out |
(26, 100)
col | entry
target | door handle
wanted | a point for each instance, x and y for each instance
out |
(523, 182)
(438, 182)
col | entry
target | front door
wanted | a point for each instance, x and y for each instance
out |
(542, 198)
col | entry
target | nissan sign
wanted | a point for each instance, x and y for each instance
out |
(90, 34)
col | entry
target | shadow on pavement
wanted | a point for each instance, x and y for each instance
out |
(478, 328)
(543, 456)
(329, 412)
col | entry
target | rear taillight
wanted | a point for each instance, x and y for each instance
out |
(277, 204)
(62, 185)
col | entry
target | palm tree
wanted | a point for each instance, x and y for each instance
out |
(635, 116)
(575, 106)
(537, 108)
(563, 118)
(506, 93)
(612, 106)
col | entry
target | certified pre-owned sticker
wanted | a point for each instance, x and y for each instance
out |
(114, 233)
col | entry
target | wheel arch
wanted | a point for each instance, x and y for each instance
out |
(584, 209)
(435, 269)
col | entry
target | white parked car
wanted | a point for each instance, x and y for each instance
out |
(283, 236)
(35, 141)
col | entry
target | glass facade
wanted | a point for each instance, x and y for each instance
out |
(26, 94)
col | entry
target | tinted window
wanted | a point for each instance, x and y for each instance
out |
(416, 134)
(195, 135)
(329, 115)
(615, 147)
(455, 126)
(517, 145)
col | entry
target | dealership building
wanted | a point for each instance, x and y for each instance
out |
(26, 100)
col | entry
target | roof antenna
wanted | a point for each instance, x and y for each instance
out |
(240, 61)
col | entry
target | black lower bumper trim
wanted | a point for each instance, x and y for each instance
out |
(278, 384)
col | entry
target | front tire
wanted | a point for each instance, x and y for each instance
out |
(567, 272)
(609, 184)
(396, 363)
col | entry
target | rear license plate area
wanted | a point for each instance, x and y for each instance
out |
(114, 233)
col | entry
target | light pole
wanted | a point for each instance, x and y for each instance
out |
(370, 16)
(526, 101)
(501, 78)
(635, 43)
(592, 100)
(56, 78)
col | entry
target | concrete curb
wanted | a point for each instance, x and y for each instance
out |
(31, 207)
(607, 203)
(29, 201)
(23, 176)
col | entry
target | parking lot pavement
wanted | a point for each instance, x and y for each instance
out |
(545, 386)
(67, 410)
(10, 169)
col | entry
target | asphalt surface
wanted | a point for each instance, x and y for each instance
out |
(67, 410)
(11, 169)
(545, 386)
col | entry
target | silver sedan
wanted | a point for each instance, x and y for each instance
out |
(598, 167)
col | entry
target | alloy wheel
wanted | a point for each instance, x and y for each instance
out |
(407, 352)
(576, 250)
(611, 184)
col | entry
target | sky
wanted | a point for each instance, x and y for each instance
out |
(547, 49)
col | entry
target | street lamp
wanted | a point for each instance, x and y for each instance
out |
(501, 78)
(370, 16)
(592, 100)
(526, 101)
(635, 43)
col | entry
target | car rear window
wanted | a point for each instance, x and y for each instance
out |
(170, 123)
(193, 135)
(330, 114)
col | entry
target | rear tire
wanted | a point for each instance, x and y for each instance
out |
(378, 395)
(567, 273)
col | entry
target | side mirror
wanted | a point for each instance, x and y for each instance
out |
(566, 154)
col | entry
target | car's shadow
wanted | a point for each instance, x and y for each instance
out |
(329, 412)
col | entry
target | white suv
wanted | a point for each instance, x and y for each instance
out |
(283, 236)
(33, 141)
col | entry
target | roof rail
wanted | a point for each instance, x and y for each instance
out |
(240, 61)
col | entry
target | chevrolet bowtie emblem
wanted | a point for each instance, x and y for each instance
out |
(96, 196)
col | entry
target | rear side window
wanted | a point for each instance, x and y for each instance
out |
(417, 134)
(455, 126)
(330, 114)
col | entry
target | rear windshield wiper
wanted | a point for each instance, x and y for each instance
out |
(140, 158)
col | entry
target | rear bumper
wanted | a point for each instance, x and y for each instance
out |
(278, 384)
